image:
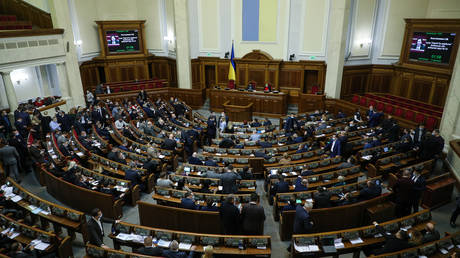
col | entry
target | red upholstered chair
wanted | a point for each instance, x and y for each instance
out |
(430, 123)
(116, 90)
(399, 112)
(380, 105)
(419, 118)
(409, 114)
(3, 18)
(388, 109)
(314, 89)
(12, 18)
(355, 99)
(372, 102)
(363, 101)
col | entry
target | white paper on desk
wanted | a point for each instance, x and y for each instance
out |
(450, 247)
(185, 246)
(356, 241)
(45, 212)
(300, 249)
(406, 228)
(163, 243)
(14, 235)
(161, 156)
(5, 231)
(123, 236)
(17, 198)
(32, 207)
(280, 144)
(36, 211)
(137, 238)
(422, 256)
(309, 200)
(313, 248)
(293, 173)
(80, 154)
(368, 157)
(218, 154)
(39, 245)
(273, 171)
(252, 188)
(338, 243)
(8, 190)
(284, 174)
(443, 251)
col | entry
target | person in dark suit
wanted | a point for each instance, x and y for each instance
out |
(322, 199)
(253, 216)
(246, 173)
(227, 143)
(302, 221)
(279, 187)
(173, 251)
(301, 184)
(133, 176)
(455, 213)
(194, 160)
(148, 249)
(419, 133)
(5, 125)
(18, 251)
(334, 147)
(403, 189)
(438, 142)
(430, 233)
(95, 229)
(210, 206)
(419, 185)
(170, 143)
(188, 202)
(291, 205)
(9, 157)
(230, 216)
(393, 243)
(291, 123)
(142, 95)
(210, 162)
(228, 180)
(21, 126)
(372, 190)
(211, 129)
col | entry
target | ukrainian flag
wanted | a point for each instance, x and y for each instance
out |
(260, 20)
(232, 67)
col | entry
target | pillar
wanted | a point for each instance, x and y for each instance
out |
(45, 80)
(60, 14)
(336, 42)
(183, 63)
(63, 81)
(450, 122)
(10, 92)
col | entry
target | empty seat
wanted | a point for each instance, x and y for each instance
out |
(355, 99)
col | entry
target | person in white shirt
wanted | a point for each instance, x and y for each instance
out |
(119, 124)
(89, 97)
(54, 125)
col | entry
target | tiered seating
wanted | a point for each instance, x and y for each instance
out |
(135, 85)
(411, 110)
(306, 244)
(10, 22)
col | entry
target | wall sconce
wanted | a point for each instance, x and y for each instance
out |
(291, 57)
(226, 55)
(78, 43)
(168, 38)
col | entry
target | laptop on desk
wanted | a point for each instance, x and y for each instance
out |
(327, 244)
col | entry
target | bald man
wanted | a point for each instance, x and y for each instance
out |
(430, 233)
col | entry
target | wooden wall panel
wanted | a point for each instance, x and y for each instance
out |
(222, 73)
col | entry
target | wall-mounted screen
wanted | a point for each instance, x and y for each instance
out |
(122, 41)
(431, 47)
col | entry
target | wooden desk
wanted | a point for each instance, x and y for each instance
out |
(267, 104)
(438, 192)
(238, 113)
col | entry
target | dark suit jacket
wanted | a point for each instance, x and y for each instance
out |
(392, 244)
(280, 187)
(430, 236)
(152, 251)
(403, 190)
(419, 134)
(229, 215)
(322, 200)
(169, 144)
(9, 155)
(133, 176)
(337, 150)
(194, 161)
(188, 203)
(228, 180)
(95, 233)
(253, 217)
(302, 223)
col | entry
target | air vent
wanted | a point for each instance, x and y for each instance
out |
(22, 44)
(43, 42)
(11, 45)
(33, 43)
(53, 41)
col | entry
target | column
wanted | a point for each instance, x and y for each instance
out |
(10, 92)
(450, 123)
(63, 81)
(183, 63)
(60, 14)
(336, 42)
(45, 80)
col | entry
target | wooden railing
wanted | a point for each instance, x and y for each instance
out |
(27, 12)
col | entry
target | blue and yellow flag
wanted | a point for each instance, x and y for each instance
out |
(232, 67)
(260, 20)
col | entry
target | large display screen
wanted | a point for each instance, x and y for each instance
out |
(122, 41)
(431, 47)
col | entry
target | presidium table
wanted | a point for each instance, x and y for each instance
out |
(263, 103)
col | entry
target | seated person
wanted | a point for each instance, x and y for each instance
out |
(194, 160)
(188, 202)
(164, 181)
(246, 173)
(210, 162)
(210, 206)
(291, 205)
(227, 142)
(255, 123)
(372, 190)
(393, 243)
(301, 184)
(430, 233)
(341, 181)
(148, 248)
(322, 199)
(268, 87)
(251, 86)
(286, 159)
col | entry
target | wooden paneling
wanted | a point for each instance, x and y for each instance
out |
(26, 12)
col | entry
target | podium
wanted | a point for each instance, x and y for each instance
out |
(238, 113)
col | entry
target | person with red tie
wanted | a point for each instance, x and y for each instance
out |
(268, 87)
